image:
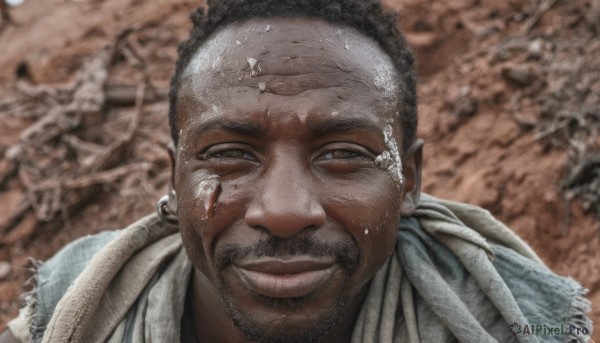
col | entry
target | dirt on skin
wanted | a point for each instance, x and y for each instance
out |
(500, 84)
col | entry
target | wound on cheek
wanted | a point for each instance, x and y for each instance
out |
(208, 192)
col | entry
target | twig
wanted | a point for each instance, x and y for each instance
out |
(125, 95)
(581, 172)
(51, 192)
(108, 176)
(7, 103)
(8, 173)
(15, 217)
(53, 187)
(131, 52)
(532, 22)
(554, 129)
(116, 147)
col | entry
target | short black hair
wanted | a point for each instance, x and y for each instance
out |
(367, 16)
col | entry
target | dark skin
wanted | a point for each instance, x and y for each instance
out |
(280, 133)
(7, 337)
(286, 131)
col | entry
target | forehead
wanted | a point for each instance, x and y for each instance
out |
(290, 58)
(294, 40)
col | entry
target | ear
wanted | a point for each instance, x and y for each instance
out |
(172, 203)
(411, 170)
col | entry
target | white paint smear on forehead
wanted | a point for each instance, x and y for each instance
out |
(385, 78)
(209, 56)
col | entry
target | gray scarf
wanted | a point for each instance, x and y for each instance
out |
(457, 274)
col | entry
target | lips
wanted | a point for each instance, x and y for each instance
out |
(286, 277)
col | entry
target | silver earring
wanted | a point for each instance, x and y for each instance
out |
(162, 209)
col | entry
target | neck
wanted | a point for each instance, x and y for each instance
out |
(205, 319)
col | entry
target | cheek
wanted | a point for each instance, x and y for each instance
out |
(207, 207)
(370, 212)
(192, 224)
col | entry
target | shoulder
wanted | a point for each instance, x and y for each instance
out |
(52, 280)
(72, 259)
(467, 248)
(58, 273)
(545, 298)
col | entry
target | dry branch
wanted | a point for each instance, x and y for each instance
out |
(125, 95)
(533, 21)
(60, 171)
(100, 178)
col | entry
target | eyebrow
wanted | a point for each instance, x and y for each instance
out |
(242, 127)
(322, 128)
(337, 125)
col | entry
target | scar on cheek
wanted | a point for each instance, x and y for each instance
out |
(389, 160)
(208, 191)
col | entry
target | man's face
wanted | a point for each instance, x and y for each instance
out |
(284, 203)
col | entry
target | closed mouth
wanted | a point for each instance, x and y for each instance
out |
(286, 277)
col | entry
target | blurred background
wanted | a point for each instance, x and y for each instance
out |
(509, 109)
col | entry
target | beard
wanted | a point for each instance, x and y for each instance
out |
(346, 252)
(312, 331)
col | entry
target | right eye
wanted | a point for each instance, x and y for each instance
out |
(227, 153)
(233, 153)
(341, 154)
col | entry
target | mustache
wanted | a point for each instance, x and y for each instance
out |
(344, 250)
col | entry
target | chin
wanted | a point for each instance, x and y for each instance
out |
(287, 319)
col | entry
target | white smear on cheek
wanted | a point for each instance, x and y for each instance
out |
(389, 160)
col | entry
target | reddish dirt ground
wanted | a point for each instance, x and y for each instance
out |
(487, 69)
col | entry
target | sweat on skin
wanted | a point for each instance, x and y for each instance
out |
(285, 137)
(289, 187)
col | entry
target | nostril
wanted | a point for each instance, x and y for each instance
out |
(311, 228)
(283, 223)
(284, 233)
(261, 229)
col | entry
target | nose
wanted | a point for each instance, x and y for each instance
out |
(285, 201)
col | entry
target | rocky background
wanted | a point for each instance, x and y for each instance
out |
(509, 103)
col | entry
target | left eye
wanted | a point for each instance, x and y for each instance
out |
(340, 154)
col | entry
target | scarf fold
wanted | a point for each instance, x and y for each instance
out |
(464, 276)
(457, 274)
